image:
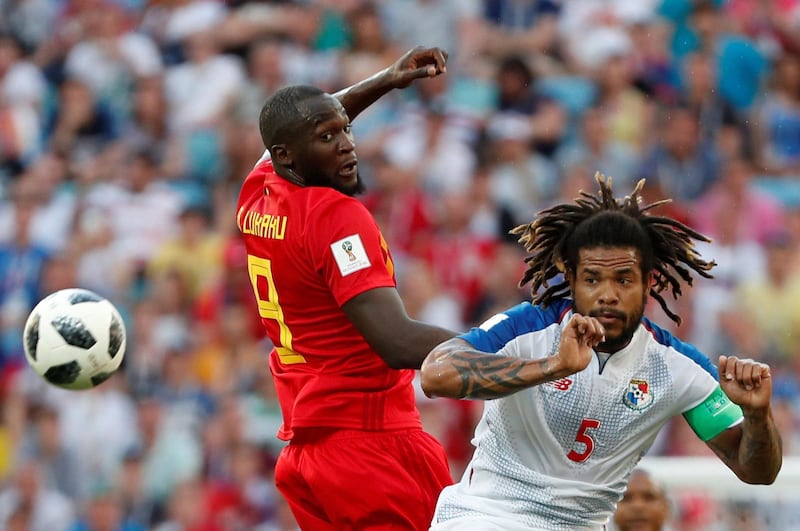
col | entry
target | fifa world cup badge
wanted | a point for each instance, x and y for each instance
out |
(348, 248)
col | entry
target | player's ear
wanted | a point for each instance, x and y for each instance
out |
(281, 154)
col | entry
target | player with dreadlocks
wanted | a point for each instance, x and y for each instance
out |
(583, 381)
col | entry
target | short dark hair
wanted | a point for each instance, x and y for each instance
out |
(558, 233)
(281, 116)
(704, 6)
(516, 65)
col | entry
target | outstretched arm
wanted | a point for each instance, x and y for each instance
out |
(416, 63)
(402, 342)
(456, 369)
(753, 449)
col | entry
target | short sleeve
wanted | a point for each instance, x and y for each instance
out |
(347, 247)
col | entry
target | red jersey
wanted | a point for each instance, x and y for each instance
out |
(309, 251)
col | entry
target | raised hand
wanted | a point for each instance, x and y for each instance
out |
(579, 337)
(419, 62)
(747, 383)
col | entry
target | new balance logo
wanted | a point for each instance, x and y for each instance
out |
(562, 385)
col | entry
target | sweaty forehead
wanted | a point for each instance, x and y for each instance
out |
(609, 257)
(321, 108)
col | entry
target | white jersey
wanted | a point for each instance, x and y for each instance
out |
(557, 456)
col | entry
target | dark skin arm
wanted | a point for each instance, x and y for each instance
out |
(456, 369)
(753, 450)
(380, 316)
(417, 63)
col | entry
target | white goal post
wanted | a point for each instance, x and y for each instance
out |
(709, 474)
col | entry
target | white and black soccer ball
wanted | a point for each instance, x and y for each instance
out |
(74, 339)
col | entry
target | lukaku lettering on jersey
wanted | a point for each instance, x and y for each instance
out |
(262, 225)
(310, 250)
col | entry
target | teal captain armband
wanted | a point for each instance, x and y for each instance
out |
(713, 415)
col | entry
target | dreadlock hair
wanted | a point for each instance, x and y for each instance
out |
(281, 114)
(554, 240)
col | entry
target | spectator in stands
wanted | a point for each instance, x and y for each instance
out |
(424, 299)
(103, 510)
(43, 443)
(21, 263)
(195, 252)
(112, 56)
(744, 65)
(766, 317)
(522, 28)
(137, 505)
(757, 214)
(370, 46)
(435, 147)
(681, 164)
(202, 90)
(148, 115)
(49, 510)
(267, 71)
(22, 93)
(401, 208)
(21, 81)
(518, 94)
(80, 122)
(779, 119)
(516, 86)
(186, 507)
(654, 68)
(458, 259)
(100, 425)
(521, 179)
(47, 179)
(699, 77)
(628, 112)
(596, 148)
(448, 24)
(171, 454)
(644, 505)
(740, 258)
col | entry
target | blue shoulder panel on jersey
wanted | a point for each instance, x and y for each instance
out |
(687, 349)
(495, 332)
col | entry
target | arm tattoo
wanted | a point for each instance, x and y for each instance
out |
(756, 454)
(761, 447)
(485, 376)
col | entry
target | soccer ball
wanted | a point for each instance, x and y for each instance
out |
(74, 339)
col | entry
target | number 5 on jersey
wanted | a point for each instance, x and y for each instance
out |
(270, 308)
(584, 439)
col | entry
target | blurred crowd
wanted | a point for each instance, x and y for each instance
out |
(127, 126)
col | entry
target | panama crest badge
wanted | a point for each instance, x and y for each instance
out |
(638, 396)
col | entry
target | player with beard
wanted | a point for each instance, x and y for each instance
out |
(344, 347)
(583, 381)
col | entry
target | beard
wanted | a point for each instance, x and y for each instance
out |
(621, 340)
(631, 322)
(349, 190)
(358, 188)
